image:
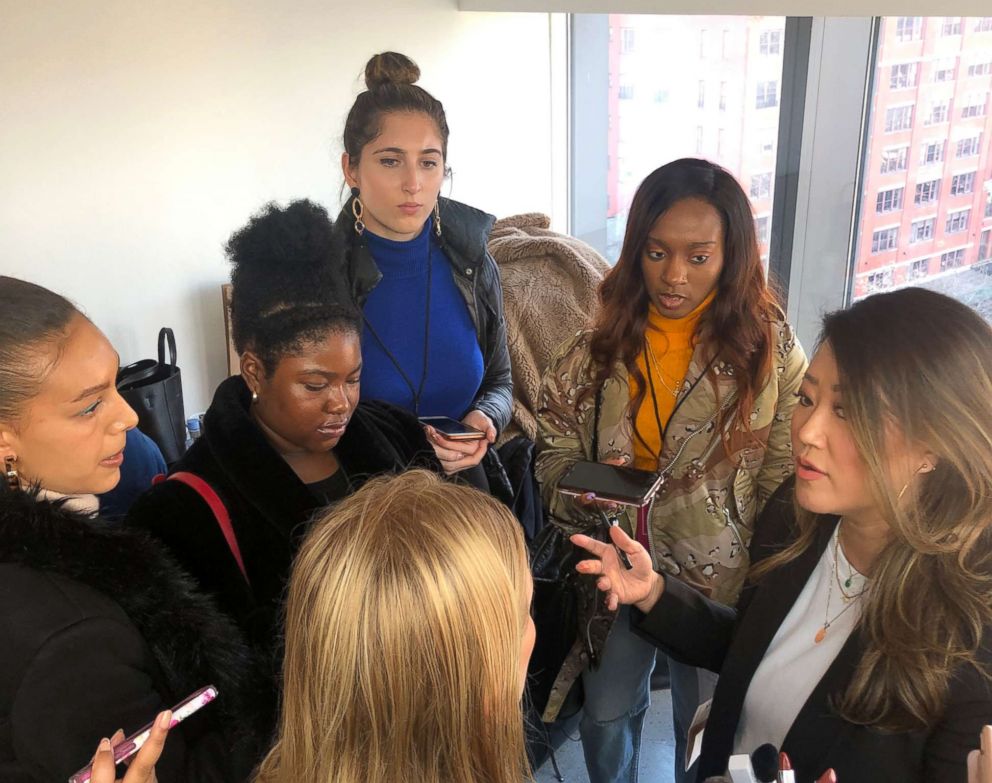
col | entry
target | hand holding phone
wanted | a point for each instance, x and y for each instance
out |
(133, 744)
(611, 483)
(142, 768)
(452, 429)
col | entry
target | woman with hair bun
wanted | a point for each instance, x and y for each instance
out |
(285, 437)
(433, 337)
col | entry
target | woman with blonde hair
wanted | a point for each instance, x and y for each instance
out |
(408, 632)
(862, 638)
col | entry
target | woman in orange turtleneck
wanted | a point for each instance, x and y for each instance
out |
(689, 369)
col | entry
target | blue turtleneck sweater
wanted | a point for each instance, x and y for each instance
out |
(396, 309)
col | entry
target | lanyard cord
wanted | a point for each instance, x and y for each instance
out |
(415, 393)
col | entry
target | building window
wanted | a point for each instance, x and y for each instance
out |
(889, 200)
(927, 192)
(725, 45)
(699, 139)
(974, 106)
(918, 269)
(908, 28)
(761, 185)
(894, 159)
(979, 69)
(903, 76)
(932, 152)
(957, 221)
(985, 245)
(879, 281)
(701, 96)
(626, 40)
(988, 201)
(922, 230)
(970, 147)
(702, 44)
(884, 239)
(951, 26)
(984, 24)
(626, 92)
(938, 113)
(771, 42)
(720, 134)
(761, 229)
(898, 118)
(963, 184)
(767, 95)
(951, 260)
(943, 70)
(723, 96)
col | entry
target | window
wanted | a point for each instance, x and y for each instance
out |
(889, 200)
(720, 137)
(979, 69)
(908, 28)
(951, 26)
(918, 269)
(985, 245)
(894, 159)
(951, 260)
(771, 42)
(761, 185)
(626, 40)
(767, 95)
(922, 230)
(761, 229)
(983, 24)
(699, 139)
(701, 99)
(725, 45)
(723, 96)
(970, 147)
(903, 76)
(988, 201)
(938, 113)
(933, 152)
(957, 221)
(963, 184)
(898, 118)
(626, 92)
(974, 105)
(879, 281)
(943, 70)
(927, 192)
(702, 44)
(884, 239)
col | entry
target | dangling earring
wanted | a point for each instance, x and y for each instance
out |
(10, 471)
(357, 209)
(254, 397)
(437, 218)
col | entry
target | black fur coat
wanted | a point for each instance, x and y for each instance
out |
(101, 630)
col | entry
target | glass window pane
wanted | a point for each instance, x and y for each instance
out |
(925, 215)
(727, 112)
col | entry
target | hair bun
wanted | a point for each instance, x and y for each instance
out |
(390, 68)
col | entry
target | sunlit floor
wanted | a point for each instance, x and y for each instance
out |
(657, 749)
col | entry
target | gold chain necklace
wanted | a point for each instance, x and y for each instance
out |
(661, 376)
(851, 600)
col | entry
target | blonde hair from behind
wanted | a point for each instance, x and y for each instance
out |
(405, 618)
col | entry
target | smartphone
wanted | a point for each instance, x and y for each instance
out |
(615, 483)
(131, 745)
(452, 429)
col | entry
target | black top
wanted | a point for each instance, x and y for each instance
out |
(699, 632)
(334, 487)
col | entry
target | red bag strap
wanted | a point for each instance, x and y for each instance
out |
(212, 499)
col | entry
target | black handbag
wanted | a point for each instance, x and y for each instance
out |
(155, 390)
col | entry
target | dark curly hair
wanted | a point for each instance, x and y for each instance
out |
(288, 284)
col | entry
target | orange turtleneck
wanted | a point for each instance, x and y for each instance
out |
(670, 343)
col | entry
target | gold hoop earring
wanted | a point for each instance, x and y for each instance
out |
(357, 209)
(10, 473)
(437, 218)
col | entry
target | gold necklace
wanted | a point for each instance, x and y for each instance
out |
(827, 620)
(661, 376)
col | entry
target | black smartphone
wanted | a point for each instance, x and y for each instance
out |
(452, 428)
(615, 483)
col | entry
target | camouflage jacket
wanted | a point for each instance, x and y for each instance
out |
(701, 521)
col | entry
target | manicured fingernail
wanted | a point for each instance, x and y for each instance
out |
(165, 720)
(104, 745)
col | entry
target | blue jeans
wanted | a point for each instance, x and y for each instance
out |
(618, 694)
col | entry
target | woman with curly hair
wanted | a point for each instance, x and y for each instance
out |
(690, 369)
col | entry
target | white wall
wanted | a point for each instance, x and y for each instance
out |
(135, 137)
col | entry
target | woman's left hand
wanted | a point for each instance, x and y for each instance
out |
(456, 455)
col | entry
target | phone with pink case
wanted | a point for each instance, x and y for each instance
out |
(131, 745)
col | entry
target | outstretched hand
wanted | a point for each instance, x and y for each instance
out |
(640, 586)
